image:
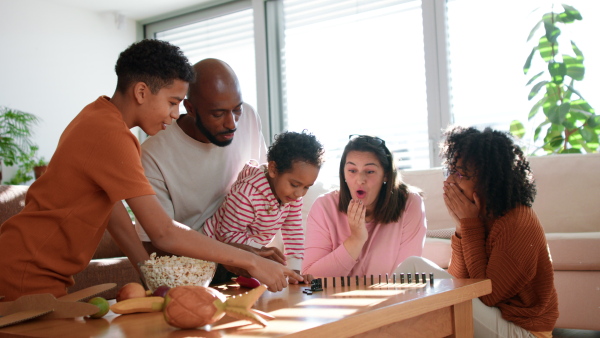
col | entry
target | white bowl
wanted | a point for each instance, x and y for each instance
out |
(174, 271)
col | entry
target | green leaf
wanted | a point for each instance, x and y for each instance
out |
(538, 130)
(574, 67)
(557, 70)
(593, 122)
(581, 105)
(552, 31)
(554, 115)
(527, 65)
(570, 151)
(546, 49)
(536, 108)
(572, 12)
(577, 51)
(552, 94)
(534, 78)
(589, 134)
(554, 138)
(536, 88)
(517, 129)
(571, 88)
(534, 29)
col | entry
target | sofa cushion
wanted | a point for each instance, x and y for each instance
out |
(575, 251)
(567, 188)
(107, 248)
(430, 181)
(438, 250)
(12, 200)
(108, 270)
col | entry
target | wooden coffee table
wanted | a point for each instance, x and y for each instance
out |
(417, 310)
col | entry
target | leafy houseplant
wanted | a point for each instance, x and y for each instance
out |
(15, 136)
(570, 123)
(27, 162)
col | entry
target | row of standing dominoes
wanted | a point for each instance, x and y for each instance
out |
(319, 283)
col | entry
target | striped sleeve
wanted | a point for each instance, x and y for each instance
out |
(235, 216)
(292, 232)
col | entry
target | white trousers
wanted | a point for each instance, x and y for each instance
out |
(487, 320)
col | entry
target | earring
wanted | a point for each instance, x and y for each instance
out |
(384, 182)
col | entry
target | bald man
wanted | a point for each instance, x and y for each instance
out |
(192, 164)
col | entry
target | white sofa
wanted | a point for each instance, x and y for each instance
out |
(568, 205)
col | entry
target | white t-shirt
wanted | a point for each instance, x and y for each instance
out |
(191, 178)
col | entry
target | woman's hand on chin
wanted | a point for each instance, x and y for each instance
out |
(358, 230)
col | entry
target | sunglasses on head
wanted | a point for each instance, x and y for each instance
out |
(374, 140)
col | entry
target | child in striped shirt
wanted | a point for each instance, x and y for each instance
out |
(268, 197)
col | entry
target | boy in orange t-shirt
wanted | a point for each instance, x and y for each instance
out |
(96, 165)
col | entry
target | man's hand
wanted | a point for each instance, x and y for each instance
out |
(272, 274)
(271, 253)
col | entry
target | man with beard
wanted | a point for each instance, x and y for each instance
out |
(192, 164)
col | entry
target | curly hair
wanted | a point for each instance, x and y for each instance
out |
(154, 62)
(502, 173)
(392, 198)
(290, 147)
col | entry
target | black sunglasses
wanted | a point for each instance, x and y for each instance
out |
(374, 140)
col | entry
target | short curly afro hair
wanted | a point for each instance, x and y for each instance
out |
(290, 147)
(154, 62)
(502, 173)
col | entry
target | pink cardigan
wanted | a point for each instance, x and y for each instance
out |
(387, 246)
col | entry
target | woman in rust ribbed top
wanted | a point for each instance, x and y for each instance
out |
(489, 192)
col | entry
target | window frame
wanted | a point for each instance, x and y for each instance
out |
(269, 40)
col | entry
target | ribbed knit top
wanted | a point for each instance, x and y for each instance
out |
(515, 256)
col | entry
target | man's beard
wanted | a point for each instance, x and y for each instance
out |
(210, 136)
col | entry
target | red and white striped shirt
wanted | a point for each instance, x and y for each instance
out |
(251, 215)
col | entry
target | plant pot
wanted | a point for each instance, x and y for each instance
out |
(39, 170)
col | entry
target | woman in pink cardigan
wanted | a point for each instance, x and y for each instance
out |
(371, 224)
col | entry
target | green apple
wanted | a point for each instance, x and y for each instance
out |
(102, 305)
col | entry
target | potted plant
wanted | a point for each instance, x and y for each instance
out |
(27, 162)
(39, 167)
(569, 124)
(15, 136)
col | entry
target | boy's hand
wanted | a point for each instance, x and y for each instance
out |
(307, 278)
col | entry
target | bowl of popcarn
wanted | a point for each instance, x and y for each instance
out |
(174, 271)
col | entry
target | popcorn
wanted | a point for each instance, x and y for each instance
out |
(174, 271)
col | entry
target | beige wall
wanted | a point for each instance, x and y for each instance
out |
(54, 60)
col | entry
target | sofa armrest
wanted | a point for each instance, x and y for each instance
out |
(575, 250)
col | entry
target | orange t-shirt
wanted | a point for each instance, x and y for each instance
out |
(96, 164)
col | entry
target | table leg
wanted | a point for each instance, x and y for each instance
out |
(463, 319)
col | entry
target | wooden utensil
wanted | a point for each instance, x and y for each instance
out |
(47, 306)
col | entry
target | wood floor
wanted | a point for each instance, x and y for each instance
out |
(569, 333)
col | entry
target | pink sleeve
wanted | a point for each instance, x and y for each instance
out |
(325, 254)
